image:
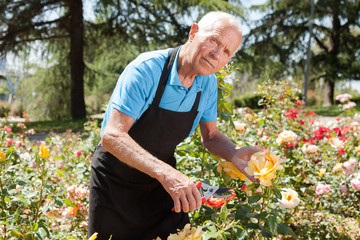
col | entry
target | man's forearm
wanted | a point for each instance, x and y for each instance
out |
(220, 146)
(124, 148)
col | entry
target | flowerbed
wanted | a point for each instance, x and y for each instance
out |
(309, 180)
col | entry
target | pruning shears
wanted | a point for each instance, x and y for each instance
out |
(207, 191)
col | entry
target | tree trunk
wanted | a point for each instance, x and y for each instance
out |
(328, 93)
(76, 59)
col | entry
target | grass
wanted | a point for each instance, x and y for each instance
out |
(78, 125)
(325, 111)
(57, 125)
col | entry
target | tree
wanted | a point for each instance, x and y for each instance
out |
(279, 40)
(24, 22)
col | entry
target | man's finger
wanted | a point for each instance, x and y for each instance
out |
(184, 203)
(177, 205)
(198, 197)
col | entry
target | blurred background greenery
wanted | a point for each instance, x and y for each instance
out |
(60, 60)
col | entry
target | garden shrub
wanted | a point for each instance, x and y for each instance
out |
(44, 185)
(248, 100)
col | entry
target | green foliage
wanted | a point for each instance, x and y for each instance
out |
(247, 100)
(277, 43)
(37, 197)
(45, 196)
(4, 110)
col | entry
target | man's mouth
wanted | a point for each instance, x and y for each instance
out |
(209, 62)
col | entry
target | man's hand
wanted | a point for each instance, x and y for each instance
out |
(241, 158)
(182, 190)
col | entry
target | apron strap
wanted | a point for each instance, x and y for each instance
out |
(164, 76)
(196, 103)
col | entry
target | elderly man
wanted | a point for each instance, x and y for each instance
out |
(158, 101)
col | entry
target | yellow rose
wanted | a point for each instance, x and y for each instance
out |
(357, 149)
(188, 233)
(44, 151)
(290, 198)
(231, 170)
(322, 171)
(337, 167)
(93, 237)
(263, 166)
(2, 156)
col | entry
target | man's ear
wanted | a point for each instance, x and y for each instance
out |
(194, 29)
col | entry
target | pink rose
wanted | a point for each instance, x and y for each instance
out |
(322, 189)
(348, 166)
(355, 183)
(343, 189)
(7, 129)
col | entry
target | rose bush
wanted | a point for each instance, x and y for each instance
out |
(309, 175)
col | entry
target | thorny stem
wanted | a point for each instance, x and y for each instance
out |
(41, 191)
(3, 197)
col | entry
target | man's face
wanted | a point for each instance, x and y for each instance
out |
(212, 49)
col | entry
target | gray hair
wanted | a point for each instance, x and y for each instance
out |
(211, 19)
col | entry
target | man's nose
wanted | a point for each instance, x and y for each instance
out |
(215, 53)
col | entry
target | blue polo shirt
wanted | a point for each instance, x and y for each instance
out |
(136, 88)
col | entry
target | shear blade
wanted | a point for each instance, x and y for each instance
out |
(222, 190)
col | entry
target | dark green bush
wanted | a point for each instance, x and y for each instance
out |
(4, 110)
(248, 100)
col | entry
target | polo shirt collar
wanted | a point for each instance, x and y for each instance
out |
(175, 81)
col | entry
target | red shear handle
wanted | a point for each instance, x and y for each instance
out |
(198, 184)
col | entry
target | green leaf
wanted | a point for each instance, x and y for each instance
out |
(228, 106)
(261, 215)
(224, 212)
(262, 122)
(240, 214)
(245, 208)
(277, 193)
(266, 234)
(254, 199)
(271, 224)
(240, 233)
(282, 229)
(253, 226)
(68, 203)
(285, 230)
(209, 235)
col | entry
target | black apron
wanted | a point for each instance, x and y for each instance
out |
(129, 204)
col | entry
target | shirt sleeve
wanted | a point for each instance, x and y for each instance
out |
(133, 90)
(210, 112)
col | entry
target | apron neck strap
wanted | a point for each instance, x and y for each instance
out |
(164, 76)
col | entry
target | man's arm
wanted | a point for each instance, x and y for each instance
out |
(222, 147)
(116, 140)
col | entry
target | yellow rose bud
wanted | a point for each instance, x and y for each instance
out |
(93, 237)
(2, 156)
(357, 149)
(337, 167)
(322, 171)
(44, 151)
